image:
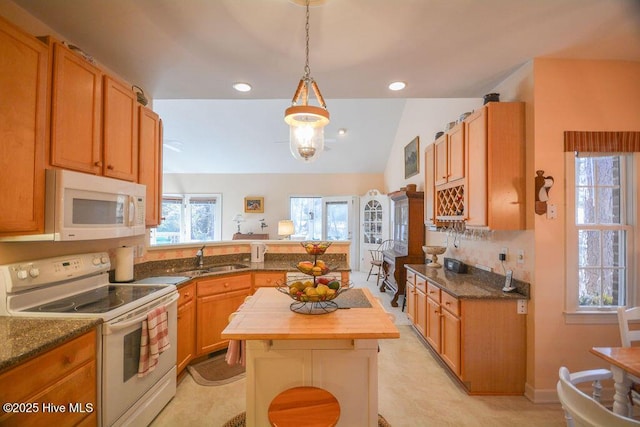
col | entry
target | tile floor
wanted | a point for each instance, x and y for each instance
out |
(414, 391)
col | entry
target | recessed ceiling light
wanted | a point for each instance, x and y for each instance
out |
(242, 87)
(342, 131)
(397, 85)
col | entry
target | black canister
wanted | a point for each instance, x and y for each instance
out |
(491, 97)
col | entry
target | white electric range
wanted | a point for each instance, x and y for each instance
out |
(77, 286)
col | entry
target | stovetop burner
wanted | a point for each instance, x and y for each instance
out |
(100, 300)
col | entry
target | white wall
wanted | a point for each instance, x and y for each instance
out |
(423, 118)
(276, 190)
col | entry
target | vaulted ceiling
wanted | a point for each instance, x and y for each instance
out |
(190, 52)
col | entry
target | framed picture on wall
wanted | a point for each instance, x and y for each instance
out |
(254, 204)
(411, 160)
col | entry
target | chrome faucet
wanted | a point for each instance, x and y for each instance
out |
(200, 257)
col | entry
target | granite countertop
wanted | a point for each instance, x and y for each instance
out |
(161, 271)
(25, 337)
(476, 284)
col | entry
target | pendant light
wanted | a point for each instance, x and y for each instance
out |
(306, 122)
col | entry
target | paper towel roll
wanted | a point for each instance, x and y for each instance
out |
(124, 264)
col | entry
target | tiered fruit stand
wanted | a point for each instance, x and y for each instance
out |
(315, 295)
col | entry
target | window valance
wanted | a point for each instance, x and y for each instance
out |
(602, 142)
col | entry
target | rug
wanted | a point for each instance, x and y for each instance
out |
(215, 371)
(239, 421)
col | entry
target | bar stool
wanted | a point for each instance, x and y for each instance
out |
(304, 406)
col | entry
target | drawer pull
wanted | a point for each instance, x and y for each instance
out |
(67, 360)
(226, 284)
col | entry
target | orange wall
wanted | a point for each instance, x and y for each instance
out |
(570, 95)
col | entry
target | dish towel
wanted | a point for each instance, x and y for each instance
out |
(236, 352)
(154, 340)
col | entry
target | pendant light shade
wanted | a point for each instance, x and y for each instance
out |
(306, 122)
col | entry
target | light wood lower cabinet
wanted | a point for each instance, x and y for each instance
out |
(268, 279)
(186, 326)
(64, 377)
(217, 298)
(482, 341)
(410, 296)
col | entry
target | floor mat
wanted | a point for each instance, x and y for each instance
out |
(239, 421)
(215, 371)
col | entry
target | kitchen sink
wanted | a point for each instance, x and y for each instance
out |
(215, 269)
(229, 267)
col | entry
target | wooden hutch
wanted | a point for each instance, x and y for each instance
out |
(407, 221)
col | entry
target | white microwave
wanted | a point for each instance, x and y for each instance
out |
(80, 206)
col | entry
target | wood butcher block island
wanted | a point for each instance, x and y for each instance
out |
(336, 351)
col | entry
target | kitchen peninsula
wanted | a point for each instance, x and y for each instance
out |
(336, 351)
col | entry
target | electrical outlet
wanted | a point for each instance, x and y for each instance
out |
(522, 306)
(521, 256)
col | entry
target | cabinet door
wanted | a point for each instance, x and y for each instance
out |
(186, 326)
(433, 324)
(476, 183)
(429, 185)
(450, 350)
(441, 167)
(23, 85)
(120, 131)
(150, 162)
(421, 312)
(75, 112)
(411, 302)
(455, 158)
(213, 316)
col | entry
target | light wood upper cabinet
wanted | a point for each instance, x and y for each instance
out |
(449, 156)
(429, 185)
(23, 108)
(495, 183)
(76, 110)
(120, 131)
(150, 162)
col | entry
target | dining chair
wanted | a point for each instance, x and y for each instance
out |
(583, 410)
(626, 316)
(377, 260)
(630, 337)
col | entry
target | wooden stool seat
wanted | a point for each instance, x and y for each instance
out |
(304, 406)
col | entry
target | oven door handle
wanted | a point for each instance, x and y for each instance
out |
(123, 325)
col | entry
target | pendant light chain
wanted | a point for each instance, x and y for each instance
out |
(307, 69)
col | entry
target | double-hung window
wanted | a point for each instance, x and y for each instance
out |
(601, 228)
(188, 218)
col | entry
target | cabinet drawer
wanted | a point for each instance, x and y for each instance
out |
(433, 291)
(411, 277)
(78, 388)
(268, 279)
(421, 284)
(187, 293)
(223, 284)
(20, 382)
(450, 303)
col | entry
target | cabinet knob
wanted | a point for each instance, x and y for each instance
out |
(226, 284)
(98, 163)
(110, 167)
(66, 360)
(187, 294)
